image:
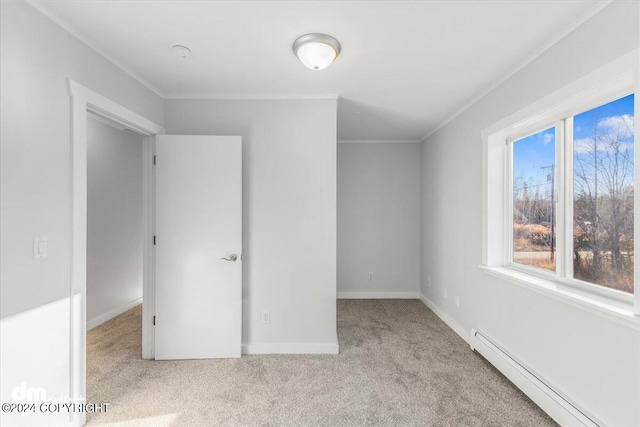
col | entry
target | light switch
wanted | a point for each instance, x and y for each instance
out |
(39, 247)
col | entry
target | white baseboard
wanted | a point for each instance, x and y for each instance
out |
(543, 395)
(378, 295)
(457, 328)
(559, 407)
(291, 348)
(99, 320)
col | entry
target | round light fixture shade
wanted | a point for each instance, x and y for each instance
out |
(316, 51)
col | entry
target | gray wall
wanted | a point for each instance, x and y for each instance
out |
(378, 220)
(114, 220)
(36, 58)
(289, 210)
(595, 361)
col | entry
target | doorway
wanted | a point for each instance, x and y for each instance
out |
(85, 101)
(192, 196)
(114, 247)
(114, 220)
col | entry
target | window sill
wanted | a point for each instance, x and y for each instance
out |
(612, 310)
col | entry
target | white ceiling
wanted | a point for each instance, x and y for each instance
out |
(405, 67)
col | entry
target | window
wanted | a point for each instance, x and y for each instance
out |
(603, 184)
(571, 196)
(559, 209)
(600, 173)
(534, 231)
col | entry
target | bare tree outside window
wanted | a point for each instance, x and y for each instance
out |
(603, 247)
(603, 197)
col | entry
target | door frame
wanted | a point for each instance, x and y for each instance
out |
(84, 100)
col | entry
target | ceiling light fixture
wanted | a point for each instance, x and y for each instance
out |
(316, 51)
(181, 50)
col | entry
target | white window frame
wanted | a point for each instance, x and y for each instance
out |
(510, 140)
(612, 81)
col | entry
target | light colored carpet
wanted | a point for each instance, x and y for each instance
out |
(399, 365)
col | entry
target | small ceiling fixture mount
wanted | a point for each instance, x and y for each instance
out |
(316, 51)
(181, 50)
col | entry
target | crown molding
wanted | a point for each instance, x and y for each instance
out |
(379, 141)
(542, 49)
(331, 96)
(86, 40)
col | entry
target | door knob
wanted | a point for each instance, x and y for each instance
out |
(232, 257)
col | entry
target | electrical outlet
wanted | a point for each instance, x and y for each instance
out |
(458, 302)
(266, 317)
(371, 276)
(429, 281)
(444, 293)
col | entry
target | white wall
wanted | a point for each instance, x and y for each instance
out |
(36, 57)
(289, 218)
(114, 221)
(594, 361)
(35, 345)
(378, 219)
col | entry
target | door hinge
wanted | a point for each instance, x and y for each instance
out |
(154, 320)
(154, 160)
(154, 240)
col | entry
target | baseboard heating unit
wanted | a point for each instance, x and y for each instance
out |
(555, 403)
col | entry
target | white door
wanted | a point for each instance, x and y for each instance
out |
(198, 247)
